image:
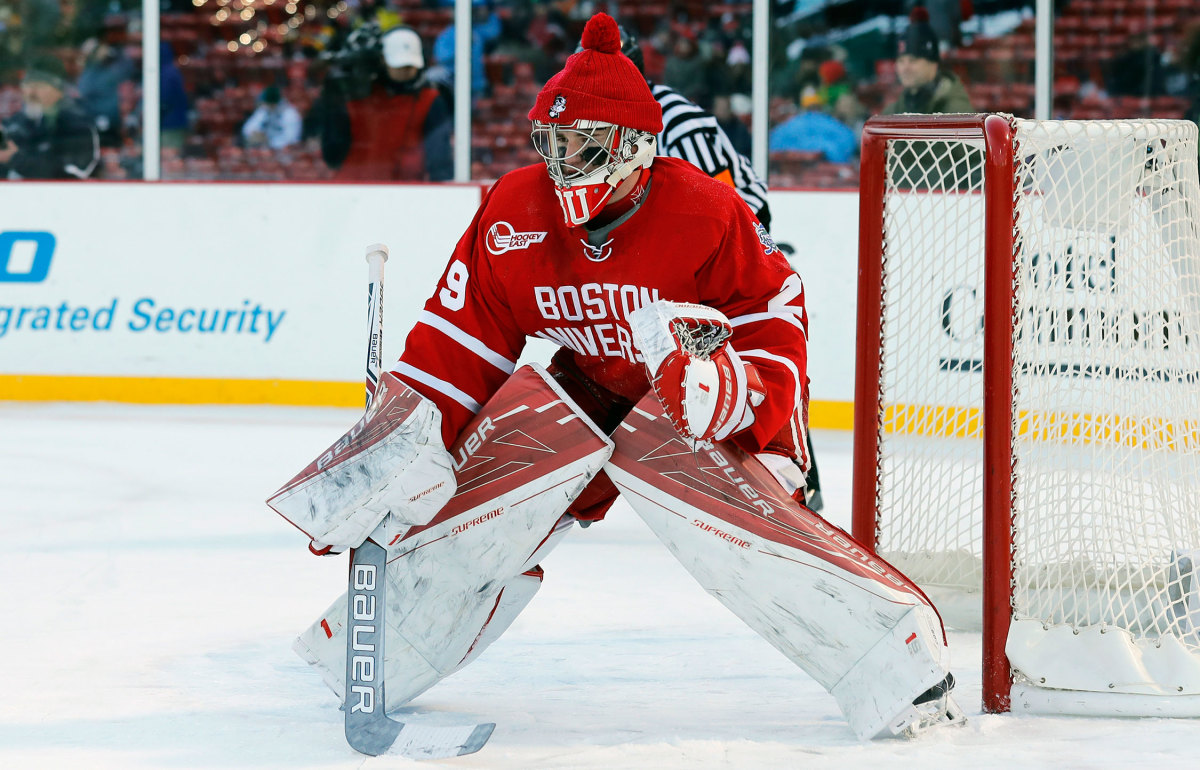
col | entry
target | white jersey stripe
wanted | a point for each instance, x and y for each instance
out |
(441, 386)
(467, 341)
(792, 317)
(791, 365)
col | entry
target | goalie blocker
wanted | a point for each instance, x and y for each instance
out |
(392, 460)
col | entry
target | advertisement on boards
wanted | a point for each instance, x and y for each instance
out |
(190, 285)
(244, 282)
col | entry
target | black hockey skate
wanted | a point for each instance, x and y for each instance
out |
(929, 709)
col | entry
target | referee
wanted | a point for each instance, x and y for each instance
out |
(692, 133)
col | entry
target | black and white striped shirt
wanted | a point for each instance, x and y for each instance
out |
(693, 134)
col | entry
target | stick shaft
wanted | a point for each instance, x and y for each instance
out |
(368, 729)
(377, 255)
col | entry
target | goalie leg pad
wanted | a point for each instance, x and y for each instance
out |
(877, 693)
(850, 620)
(456, 583)
(408, 672)
(518, 592)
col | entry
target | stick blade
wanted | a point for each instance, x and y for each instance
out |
(376, 737)
(440, 742)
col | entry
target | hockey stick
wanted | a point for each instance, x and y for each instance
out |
(369, 730)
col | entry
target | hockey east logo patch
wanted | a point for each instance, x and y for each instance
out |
(502, 237)
(768, 243)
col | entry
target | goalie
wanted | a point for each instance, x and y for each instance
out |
(661, 288)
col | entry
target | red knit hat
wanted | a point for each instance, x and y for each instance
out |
(831, 71)
(599, 83)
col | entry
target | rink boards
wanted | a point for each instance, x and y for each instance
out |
(254, 293)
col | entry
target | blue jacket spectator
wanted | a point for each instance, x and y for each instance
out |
(814, 131)
(99, 88)
(173, 98)
(484, 30)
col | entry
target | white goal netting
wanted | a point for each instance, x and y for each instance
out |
(1105, 326)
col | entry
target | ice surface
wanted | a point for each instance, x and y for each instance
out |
(149, 599)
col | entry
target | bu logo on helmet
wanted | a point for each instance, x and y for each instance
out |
(559, 106)
(501, 237)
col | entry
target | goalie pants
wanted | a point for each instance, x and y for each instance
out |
(607, 410)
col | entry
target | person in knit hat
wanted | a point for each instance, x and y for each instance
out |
(928, 89)
(661, 289)
(379, 116)
(595, 125)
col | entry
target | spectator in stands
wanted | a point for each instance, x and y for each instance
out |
(516, 40)
(51, 137)
(1189, 64)
(1138, 70)
(928, 89)
(814, 129)
(831, 74)
(384, 120)
(172, 100)
(837, 96)
(850, 112)
(946, 18)
(105, 68)
(485, 29)
(275, 123)
(731, 124)
(685, 70)
(39, 19)
(737, 63)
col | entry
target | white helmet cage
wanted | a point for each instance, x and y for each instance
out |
(588, 152)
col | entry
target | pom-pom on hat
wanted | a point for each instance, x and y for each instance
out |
(599, 83)
(919, 39)
(831, 71)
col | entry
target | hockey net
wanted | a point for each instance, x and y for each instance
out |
(1029, 380)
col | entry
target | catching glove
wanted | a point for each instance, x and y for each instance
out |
(705, 388)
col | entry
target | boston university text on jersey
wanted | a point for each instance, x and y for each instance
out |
(593, 302)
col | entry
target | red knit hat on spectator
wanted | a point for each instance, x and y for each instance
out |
(831, 71)
(599, 83)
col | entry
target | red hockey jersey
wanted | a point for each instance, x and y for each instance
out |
(519, 271)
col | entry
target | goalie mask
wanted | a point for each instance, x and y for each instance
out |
(595, 122)
(588, 160)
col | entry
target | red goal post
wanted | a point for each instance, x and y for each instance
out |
(1028, 355)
